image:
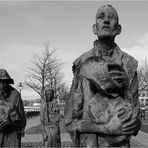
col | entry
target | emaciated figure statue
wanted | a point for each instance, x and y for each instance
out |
(50, 120)
(103, 107)
(12, 115)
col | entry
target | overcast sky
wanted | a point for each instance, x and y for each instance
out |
(25, 25)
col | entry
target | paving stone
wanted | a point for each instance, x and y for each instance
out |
(32, 138)
(136, 144)
(31, 144)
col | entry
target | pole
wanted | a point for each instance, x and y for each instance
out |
(20, 91)
(20, 87)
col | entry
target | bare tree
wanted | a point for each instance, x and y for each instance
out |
(45, 73)
(143, 78)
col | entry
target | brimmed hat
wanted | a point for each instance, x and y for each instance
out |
(4, 76)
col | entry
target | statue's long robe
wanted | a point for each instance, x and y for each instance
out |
(50, 118)
(10, 136)
(79, 96)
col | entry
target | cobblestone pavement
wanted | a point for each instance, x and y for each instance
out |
(136, 144)
(33, 140)
(31, 122)
(40, 144)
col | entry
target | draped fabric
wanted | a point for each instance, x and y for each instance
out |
(53, 132)
(50, 122)
(12, 118)
(77, 106)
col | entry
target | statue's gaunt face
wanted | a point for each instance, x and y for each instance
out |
(107, 22)
(3, 85)
(49, 95)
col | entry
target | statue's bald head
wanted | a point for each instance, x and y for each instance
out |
(107, 22)
(111, 8)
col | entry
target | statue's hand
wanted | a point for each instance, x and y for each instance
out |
(84, 126)
(119, 77)
(3, 125)
(80, 125)
(130, 126)
(13, 115)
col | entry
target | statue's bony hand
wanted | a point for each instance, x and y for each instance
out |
(79, 126)
(2, 125)
(120, 114)
(13, 116)
(130, 125)
(84, 126)
(119, 77)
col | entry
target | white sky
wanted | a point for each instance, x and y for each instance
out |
(67, 25)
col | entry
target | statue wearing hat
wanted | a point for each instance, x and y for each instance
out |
(12, 115)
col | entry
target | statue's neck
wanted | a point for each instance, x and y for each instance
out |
(106, 44)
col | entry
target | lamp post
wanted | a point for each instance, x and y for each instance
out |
(20, 86)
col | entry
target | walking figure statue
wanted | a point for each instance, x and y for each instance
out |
(103, 108)
(50, 118)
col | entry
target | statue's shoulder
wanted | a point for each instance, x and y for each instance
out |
(83, 57)
(130, 64)
(78, 62)
(129, 61)
(13, 92)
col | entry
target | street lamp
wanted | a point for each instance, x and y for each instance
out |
(20, 86)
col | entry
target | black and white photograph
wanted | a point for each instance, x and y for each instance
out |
(73, 73)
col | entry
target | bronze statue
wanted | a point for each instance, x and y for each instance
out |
(50, 120)
(12, 115)
(103, 106)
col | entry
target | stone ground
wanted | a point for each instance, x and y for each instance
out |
(33, 136)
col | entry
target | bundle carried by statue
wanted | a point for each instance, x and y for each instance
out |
(8, 114)
(107, 77)
(109, 86)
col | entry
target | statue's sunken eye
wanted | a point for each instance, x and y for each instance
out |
(100, 15)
